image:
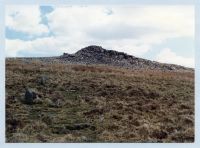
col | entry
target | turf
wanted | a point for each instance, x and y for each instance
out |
(80, 103)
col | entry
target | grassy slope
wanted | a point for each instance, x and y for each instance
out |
(120, 105)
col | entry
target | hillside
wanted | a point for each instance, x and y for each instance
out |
(96, 55)
(99, 55)
(56, 100)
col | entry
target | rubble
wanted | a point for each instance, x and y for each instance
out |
(94, 55)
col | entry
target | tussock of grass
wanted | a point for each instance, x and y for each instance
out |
(79, 103)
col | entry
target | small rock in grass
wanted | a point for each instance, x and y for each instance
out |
(42, 80)
(30, 96)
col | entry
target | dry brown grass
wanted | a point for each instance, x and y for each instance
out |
(121, 105)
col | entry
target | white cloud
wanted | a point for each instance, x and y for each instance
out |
(40, 47)
(129, 29)
(25, 19)
(168, 56)
(176, 20)
(52, 46)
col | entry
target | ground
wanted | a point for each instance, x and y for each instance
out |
(80, 103)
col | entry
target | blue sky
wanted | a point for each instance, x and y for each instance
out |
(182, 46)
(159, 33)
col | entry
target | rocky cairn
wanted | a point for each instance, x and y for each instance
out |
(95, 55)
(98, 55)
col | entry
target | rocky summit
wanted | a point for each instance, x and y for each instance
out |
(98, 55)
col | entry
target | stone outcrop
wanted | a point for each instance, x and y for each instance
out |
(99, 55)
(94, 55)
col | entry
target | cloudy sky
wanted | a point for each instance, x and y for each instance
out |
(160, 33)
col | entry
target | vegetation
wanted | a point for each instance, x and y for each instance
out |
(79, 103)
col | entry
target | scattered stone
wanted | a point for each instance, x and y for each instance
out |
(42, 80)
(98, 55)
(30, 96)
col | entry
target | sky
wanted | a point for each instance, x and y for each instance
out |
(160, 33)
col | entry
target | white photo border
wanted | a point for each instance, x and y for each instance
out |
(196, 3)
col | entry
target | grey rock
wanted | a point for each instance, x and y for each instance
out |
(98, 55)
(30, 96)
(94, 55)
(42, 80)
